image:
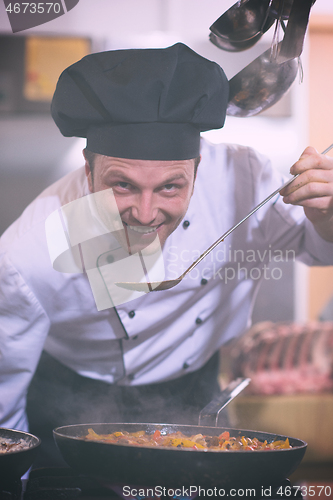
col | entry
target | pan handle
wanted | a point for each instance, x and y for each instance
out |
(209, 415)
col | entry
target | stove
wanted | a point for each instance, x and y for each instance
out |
(64, 484)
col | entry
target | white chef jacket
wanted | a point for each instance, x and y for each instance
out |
(161, 335)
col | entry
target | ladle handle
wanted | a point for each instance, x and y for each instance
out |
(292, 43)
(217, 242)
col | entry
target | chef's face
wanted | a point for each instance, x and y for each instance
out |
(152, 196)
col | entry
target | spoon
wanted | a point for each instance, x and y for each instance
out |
(259, 85)
(166, 285)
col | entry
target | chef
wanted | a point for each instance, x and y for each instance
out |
(150, 199)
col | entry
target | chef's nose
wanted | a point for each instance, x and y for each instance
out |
(144, 209)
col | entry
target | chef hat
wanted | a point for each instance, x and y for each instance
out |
(148, 104)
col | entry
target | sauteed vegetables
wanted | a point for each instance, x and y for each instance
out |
(9, 446)
(179, 440)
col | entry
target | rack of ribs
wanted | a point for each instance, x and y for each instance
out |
(285, 358)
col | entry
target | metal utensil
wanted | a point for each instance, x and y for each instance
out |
(260, 85)
(166, 285)
(280, 9)
(242, 21)
(209, 415)
(292, 44)
(230, 45)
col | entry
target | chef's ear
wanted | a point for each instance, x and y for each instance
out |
(196, 165)
(89, 171)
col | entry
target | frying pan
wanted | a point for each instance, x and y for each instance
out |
(15, 463)
(177, 467)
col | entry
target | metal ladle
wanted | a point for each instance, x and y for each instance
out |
(243, 24)
(243, 21)
(166, 285)
(230, 45)
(260, 85)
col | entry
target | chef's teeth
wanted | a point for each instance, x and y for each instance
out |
(142, 230)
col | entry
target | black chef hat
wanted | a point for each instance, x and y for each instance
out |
(148, 104)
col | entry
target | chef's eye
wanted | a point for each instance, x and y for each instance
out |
(169, 187)
(123, 185)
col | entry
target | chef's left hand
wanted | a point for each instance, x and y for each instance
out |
(313, 189)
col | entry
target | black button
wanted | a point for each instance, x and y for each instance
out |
(185, 366)
(131, 314)
(131, 376)
(198, 321)
(204, 281)
(135, 337)
(186, 223)
(110, 259)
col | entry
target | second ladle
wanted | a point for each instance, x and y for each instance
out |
(259, 85)
(166, 285)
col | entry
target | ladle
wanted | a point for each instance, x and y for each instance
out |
(226, 43)
(243, 24)
(231, 46)
(166, 285)
(260, 85)
(242, 21)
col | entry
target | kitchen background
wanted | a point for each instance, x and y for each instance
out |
(34, 154)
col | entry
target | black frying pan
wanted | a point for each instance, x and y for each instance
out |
(13, 464)
(132, 465)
